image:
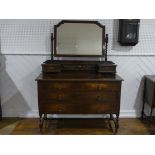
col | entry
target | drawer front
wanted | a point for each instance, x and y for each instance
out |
(79, 86)
(86, 103)
(92, 108)
(54, 68)
(78, 97)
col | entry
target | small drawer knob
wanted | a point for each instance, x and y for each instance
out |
(98, 98)
(59, 88)
(60, 110)
(60, 97)
(99, 87)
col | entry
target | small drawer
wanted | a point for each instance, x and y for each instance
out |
(51, 68)
(54, 97)
(106, 86)
(54, 86)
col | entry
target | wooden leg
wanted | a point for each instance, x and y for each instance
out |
(142, 114)
(144, 100)
(109, 122)
(151, 114)
(111, 116)
(41, 123)
(116, 124)
(45, 116)
(0, 116)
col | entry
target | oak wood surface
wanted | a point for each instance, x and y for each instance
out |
(78, 93)
(74, 76)
(56, 66)
(78, 97)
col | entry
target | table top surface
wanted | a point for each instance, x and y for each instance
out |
(150, 77)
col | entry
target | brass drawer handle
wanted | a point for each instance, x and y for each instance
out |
(60, 110)
(99, 87)
(59, 88)
(60, 97)
(99, 98)
(80, 66)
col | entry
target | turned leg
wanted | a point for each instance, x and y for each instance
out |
(142, 114)
(116, 123)
(111, 116)
(45, 116)
(40, 122)
(109, 122)
(0, 116)
(144, 99)
(151, 114)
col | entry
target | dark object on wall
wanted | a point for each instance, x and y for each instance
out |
(128, 32)
(149, 94)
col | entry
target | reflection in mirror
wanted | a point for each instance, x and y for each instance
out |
(79, 39)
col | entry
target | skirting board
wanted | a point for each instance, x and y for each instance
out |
(34, 114)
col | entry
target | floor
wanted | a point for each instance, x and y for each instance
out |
(29, 126)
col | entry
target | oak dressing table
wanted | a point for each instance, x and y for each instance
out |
(79, 87)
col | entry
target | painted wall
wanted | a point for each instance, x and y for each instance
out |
(25, 44)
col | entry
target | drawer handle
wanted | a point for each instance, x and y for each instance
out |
(80, 66)
(99, 87)
(60, 110)
(60, 97)
(99, 98)
(59, 88)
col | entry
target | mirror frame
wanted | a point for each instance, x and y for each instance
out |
(84, 22)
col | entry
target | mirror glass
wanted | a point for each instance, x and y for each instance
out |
(79, 39)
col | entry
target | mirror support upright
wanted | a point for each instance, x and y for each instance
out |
(106, 46)
(52, 39)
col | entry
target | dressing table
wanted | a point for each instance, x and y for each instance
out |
(79, 87)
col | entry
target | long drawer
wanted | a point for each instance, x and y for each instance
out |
(80, 97)
(78, 86)
(92, 108)
(83, 103)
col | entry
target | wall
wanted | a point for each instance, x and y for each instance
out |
(25, 44)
